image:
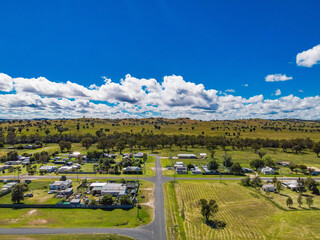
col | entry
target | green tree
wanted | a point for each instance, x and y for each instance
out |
(256, 182)
(316, 148)
(213, 165)
(246, 181)
(11, 137)
(261, 153)
(125, 200)
(87, 142)
(299, 200)
(309, 201)
(227, 160)
(208, 209)
(257, 163)
(106, 200)
(289, 202)
(63, 178)
(278, 186)
(236, 169)
(17, 193)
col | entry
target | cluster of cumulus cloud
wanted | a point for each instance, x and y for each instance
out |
(133, 97)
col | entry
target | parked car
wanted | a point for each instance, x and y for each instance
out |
(28, 195)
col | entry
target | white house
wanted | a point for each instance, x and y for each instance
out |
(181, 169)
(187, 156)
(267, 170)
(47, 169)
(196, 170)
(114, 189)
(8, 186)
(203, 155)
(65, 169)
(60, 185)
(132, 169)
(268, 188)
(74, 155)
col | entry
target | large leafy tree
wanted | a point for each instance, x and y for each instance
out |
(208, 209)
(17, 193)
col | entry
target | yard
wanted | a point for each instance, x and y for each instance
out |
(66, 237)
(247, 215)
(75, 217)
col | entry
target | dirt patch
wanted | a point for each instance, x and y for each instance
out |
(148, 189)
(150, 203)
(32, 212)
(38, 222)
(14, 220)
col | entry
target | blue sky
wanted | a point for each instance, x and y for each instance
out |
(220, 44)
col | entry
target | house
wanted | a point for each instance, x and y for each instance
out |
(47, 169)
(74, 155)
(267, 170)
(132, 170)
(8, 186)
(65, 193)
(75, 201)
(13, 163)
(138, 155)
(187, 156)
(294, 185)
(114, 189)
(65, 169)
(268, 187)
(28, 147)
(110, 155)
(196, 170)
(203, 155)
(26, 162)
(205, 169)
(284, 164)
(59, 162)
(60, 185)
(96, 187)
(181, 169)
(247, 170)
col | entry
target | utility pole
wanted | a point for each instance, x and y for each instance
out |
(138, 210)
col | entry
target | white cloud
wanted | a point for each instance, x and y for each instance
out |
(245, 85)
(6, 84)
(230, 90)
(309, 57)
(300, 91)
(133, 97)
(278, 92)
(277, 78)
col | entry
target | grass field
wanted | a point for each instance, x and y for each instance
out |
(252, 128)
(54, 218)
(66, 237)
(247, 214)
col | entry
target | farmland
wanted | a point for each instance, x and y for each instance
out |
(247, 214)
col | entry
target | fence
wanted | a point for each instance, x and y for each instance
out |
(66, 206)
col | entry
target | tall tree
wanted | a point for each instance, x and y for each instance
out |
(208, 209)
(17, 193)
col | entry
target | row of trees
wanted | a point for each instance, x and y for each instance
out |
(152, 141)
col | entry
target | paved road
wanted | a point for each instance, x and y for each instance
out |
(155, 230)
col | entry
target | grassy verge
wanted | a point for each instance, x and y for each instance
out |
(66, 237)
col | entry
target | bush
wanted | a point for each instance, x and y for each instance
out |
(125, 200)
(106, 200)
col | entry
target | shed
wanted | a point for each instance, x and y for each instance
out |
(75, 201)
(268, 188)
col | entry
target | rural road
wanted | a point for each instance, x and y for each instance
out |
(154, 230)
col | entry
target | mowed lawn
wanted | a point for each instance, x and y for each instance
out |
(66, 237)
(247, 214)
(75, 218)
